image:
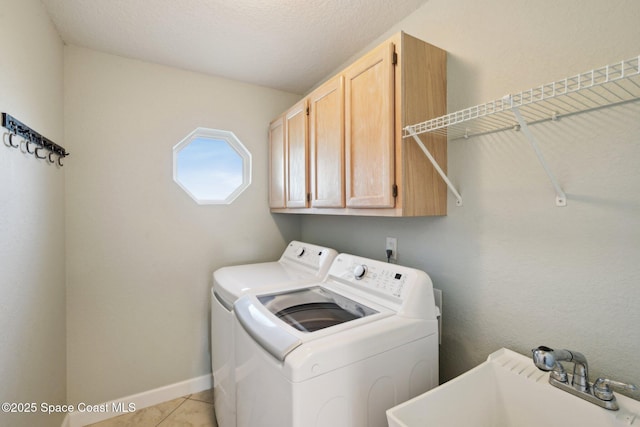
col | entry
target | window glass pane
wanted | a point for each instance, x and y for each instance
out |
(212, 166)
(209, 168)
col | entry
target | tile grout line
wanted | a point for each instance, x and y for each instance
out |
(185, 398)
(208, 400)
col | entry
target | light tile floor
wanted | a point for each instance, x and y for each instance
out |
(194, 410)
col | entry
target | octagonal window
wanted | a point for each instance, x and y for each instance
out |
(212, 166)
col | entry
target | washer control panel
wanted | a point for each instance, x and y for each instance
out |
(375, 276)
(385, 280)
(407, 291)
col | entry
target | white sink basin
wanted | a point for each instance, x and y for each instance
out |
(507, 391)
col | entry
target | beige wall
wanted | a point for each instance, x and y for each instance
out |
(517, 271)
(140, 251)
(32, 238)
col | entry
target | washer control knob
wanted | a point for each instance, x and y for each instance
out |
(360, 271)
(300, 252)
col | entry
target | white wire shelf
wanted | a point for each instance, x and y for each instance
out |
(610, 85)
(601, 87)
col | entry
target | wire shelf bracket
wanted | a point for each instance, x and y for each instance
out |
(437, 167)
(561, 197)
(611, 85)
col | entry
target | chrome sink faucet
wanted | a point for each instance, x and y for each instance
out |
(548, 359)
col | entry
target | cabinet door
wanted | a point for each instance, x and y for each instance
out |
(326, 127)
(369, 130)
(277, 171)
(296, 155)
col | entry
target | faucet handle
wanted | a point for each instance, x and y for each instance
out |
(602, 388)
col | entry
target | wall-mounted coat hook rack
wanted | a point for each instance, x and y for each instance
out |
(17, 128)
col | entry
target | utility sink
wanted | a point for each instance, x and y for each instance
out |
(508, 391)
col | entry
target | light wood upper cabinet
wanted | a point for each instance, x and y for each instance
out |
(297, 147)
(421, 94)
(326, 130)
(377, 172)
(369, 130)
(277, 171)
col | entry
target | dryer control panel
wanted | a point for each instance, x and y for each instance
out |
(312, 257)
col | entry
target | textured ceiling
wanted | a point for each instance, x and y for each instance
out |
(283, 44)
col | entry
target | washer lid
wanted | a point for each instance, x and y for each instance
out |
(264, 330)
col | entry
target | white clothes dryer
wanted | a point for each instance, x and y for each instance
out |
(300, 263)
(339, 352)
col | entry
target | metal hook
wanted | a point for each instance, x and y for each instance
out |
(11, 144)
(50, 159)
(37, 155)
(59, 160)
(27, 146)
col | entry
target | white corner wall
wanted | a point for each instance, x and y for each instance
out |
(516, 270)
(32, 228)
(140, 251)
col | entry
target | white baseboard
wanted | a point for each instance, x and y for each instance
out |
(138, 401)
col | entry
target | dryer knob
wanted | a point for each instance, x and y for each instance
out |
(299, 252)
(360, 271)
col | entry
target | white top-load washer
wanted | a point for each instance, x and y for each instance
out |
(300, 263)
(339, 352)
